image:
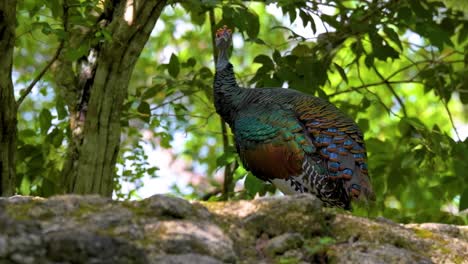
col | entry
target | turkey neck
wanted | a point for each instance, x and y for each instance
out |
(227, 93)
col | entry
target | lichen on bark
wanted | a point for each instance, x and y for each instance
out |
(96, 94)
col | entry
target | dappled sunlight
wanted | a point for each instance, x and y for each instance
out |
(129, 12)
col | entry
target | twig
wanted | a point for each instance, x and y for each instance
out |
(202, 125)
(168, 102)
(364, 86)
(178, 115)
(382, 103)
(208, 105)
(390, 87)
(208, 195)
(40, 75)
(387, 80)
(451, 118)
(54, 58)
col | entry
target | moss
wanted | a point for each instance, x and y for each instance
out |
(138, 210)
(318, 245)
(84, 209)
(213, 206)
(287, 260)
(459, 260)
(22, 211)
(401, 242)
(423, 233)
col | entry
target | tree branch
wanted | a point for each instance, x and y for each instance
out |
(364, 86)
(389, 110)
(390, 87)
(48, 65)
(168, 102)
(40, 75)
(451, 118)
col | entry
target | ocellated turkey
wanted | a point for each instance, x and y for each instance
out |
(298, 142)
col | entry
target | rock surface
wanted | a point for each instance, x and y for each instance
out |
(163, 229)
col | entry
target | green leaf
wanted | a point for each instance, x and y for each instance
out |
(331, 20)
(258, 41)
(405, 14)
(151, 92)
(253, 26)
(60, 107)
(380, 48)
(27, 150)
(464, 200)
(165, 139)
(190, 62)
(75, 54)
(392, 35)
(36, 162)
(464, 98)
(152, 171)
(463, 33)
(277, 57)
(305, 17)
(465, 57)
(55, 6)
(25, 186)
(253, 185)
(369, 60)
(27, 133)
(266, 61)
(363, 124)
(198, 17)
(46, 29)
(301, 50)
(225, 158)
(341, 72)
(205, 73)
(107, 34)
(357, 48)
(365, 103)
(55, 137)
(45, 120)
(145, 111)
(173, 66)
(415, 122)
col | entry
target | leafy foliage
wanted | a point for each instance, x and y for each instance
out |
(398, 68)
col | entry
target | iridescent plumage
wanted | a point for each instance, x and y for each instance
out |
(298, 142)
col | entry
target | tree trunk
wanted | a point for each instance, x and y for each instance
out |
(7, 99)
(102, 88)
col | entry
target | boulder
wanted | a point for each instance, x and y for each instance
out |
(164, 229)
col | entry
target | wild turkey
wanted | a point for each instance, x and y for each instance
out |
(300, 143)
